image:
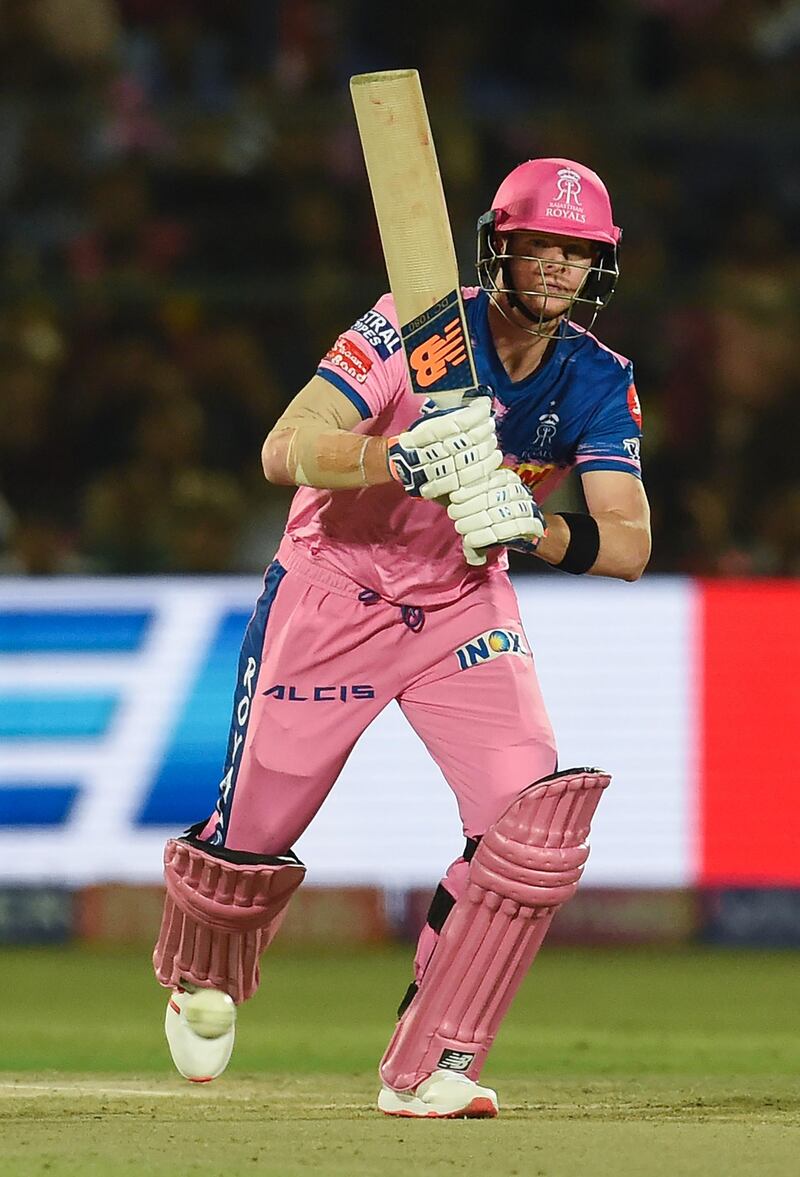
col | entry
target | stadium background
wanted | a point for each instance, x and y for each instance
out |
(185, 228)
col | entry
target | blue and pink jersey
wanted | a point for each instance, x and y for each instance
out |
(579, 410)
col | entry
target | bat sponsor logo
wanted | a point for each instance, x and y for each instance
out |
(437, 348)
(379, 332)
(489, 645)
(431, 360)
(348, 357)
(449, 300)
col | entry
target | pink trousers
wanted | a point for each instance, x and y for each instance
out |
(322, 657)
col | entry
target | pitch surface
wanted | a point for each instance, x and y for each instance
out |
(641, 1063)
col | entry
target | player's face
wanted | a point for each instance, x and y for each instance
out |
(548, 269)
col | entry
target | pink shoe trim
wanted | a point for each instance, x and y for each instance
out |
(479, 1108)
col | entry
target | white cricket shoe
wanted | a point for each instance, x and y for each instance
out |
(446, 1095)
(200, 1026)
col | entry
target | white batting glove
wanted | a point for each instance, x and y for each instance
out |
(442, 423)
(446, 450)
(500, 510)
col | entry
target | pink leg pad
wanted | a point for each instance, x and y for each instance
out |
(222, 909)
(526, 866)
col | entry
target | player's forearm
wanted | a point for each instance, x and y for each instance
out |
(624, 545)
(331, 459)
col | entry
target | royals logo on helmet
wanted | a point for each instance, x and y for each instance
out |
(567, 202)
(491, 644)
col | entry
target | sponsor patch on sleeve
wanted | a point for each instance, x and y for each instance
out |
(379, 332)
(634, 408)
(348, 357)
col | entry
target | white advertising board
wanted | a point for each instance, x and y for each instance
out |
(116, 697)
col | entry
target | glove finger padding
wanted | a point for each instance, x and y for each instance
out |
(500, 478)
(517, 514)
(440, 453)
(499, 510)
(448, 422)
(497, 533)
(469, 467)
(444, 447)
(484, 500)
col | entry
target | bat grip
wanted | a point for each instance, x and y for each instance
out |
(448, 400)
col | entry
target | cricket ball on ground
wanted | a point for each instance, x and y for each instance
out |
(210, 1013)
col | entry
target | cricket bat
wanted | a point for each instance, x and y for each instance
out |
(415, 233)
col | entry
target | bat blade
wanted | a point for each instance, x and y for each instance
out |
(415, 232)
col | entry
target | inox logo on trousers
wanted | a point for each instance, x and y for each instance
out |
(491, 644)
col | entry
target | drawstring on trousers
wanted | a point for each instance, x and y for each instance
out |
(413, 615)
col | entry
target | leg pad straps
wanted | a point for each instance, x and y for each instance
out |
(222, 909)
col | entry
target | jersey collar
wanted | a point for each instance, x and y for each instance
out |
(501, 383)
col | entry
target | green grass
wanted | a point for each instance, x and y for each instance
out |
(629, 1062)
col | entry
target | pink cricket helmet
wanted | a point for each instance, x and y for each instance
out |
(555, 196)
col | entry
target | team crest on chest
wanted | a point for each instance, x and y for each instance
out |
(545, 434)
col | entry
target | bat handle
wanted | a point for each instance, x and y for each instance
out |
(448, 400)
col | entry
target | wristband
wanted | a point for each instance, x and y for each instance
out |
(584, 542)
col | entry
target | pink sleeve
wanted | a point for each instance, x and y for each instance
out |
(366, 362)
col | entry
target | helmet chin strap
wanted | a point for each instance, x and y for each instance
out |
(493, 267)
(516, 302)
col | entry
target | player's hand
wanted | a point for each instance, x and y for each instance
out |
(446, 450)
(499, 510)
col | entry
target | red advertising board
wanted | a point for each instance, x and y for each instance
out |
(749, 764)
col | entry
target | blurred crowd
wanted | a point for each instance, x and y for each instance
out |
(186, 227)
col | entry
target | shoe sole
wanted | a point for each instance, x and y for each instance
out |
(479, 1108)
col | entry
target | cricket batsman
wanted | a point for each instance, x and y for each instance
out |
(370, 599)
